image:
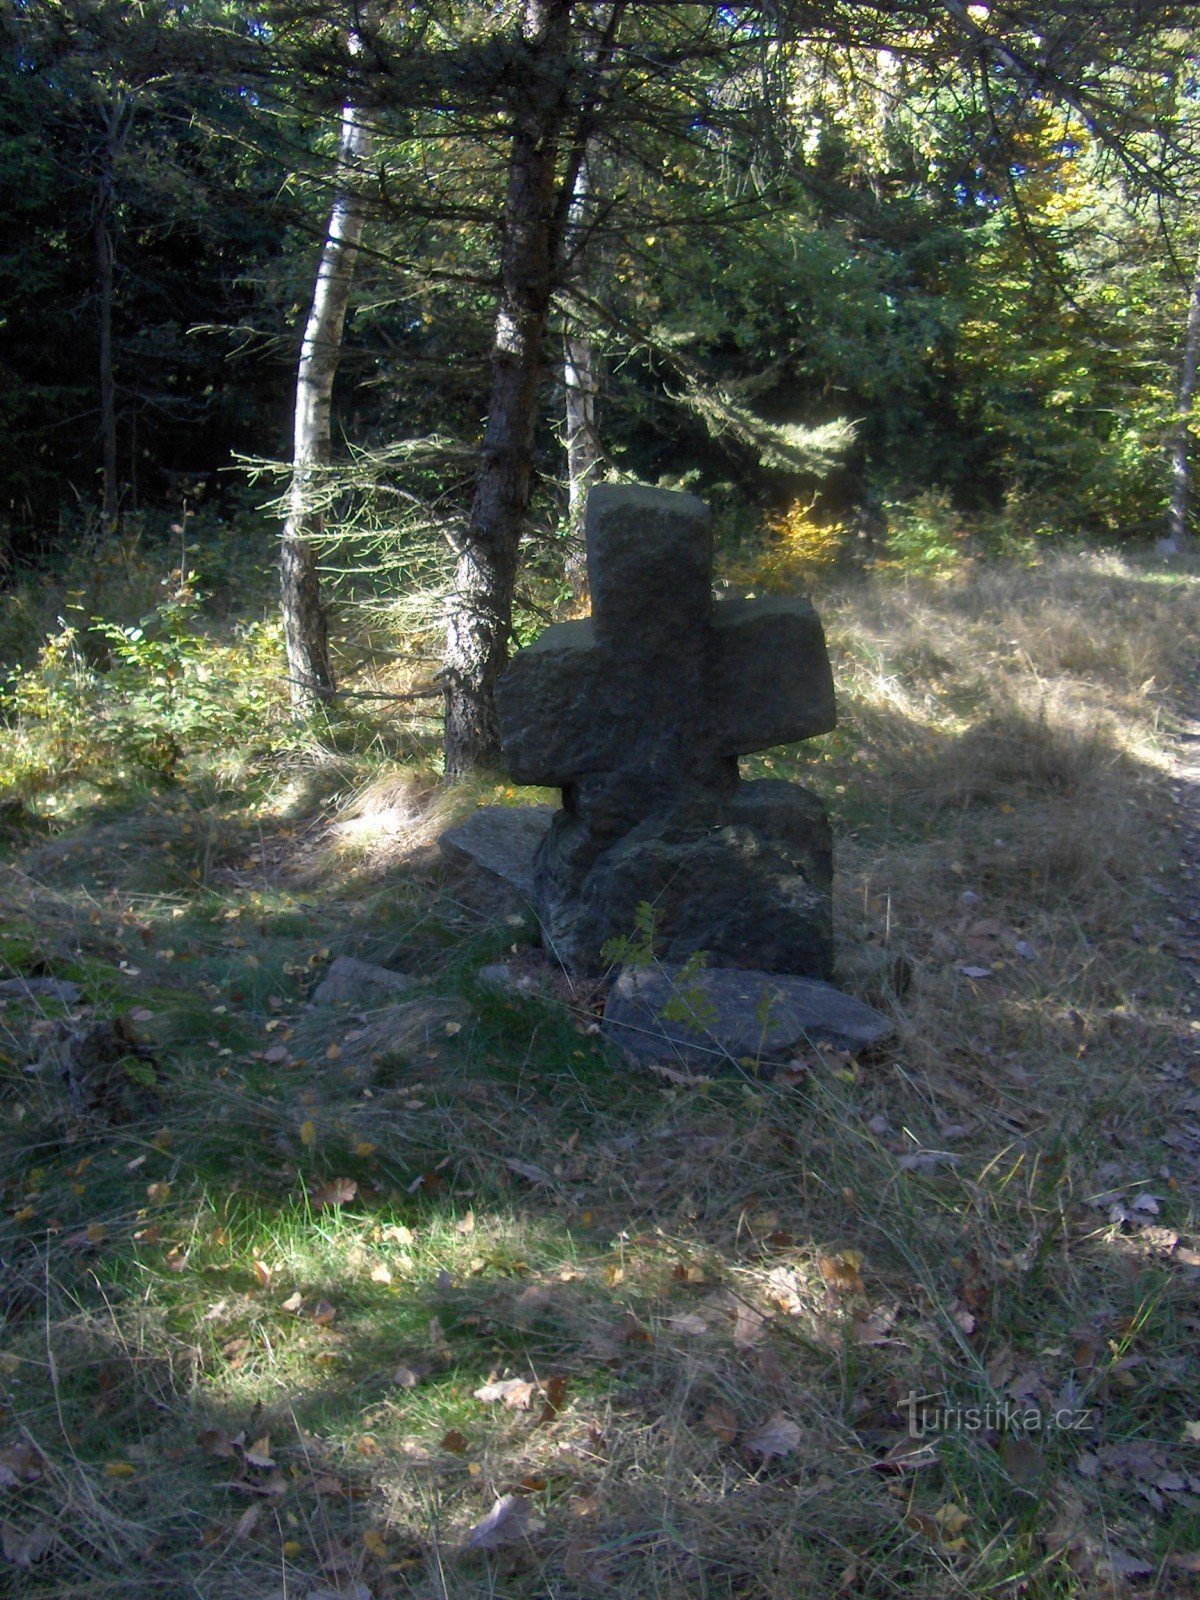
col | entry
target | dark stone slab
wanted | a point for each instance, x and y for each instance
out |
(736, 1015)
(504, 839)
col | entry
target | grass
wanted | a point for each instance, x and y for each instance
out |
(248, 1315)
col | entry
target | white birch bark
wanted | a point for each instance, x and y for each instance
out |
(580, 385)
(304, 621)
(1178, 538)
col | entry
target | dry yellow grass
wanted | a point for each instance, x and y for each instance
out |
(721, 1294)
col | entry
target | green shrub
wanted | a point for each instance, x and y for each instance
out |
(142, 697)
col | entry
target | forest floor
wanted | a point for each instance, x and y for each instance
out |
(451, 1302)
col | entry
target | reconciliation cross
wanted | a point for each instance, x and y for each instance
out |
(661, 689)
(639, 714)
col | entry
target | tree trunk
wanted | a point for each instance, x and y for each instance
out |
(583, 449)
(1178, 537)
(116, 122)
(305, 629)
(581, 387)
(480, 623)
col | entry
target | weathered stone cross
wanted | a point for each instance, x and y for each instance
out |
(661, 689)
(639, 714)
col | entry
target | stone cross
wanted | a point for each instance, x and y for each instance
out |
(639, 714)
(660, 686)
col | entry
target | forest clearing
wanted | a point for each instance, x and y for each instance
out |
(344, 1249)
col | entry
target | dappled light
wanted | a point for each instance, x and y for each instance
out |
(445, 1295)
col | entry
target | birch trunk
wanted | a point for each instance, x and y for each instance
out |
(581, 387)
(305, 628)
(480, 622)
(1178, 537)
(583, 450)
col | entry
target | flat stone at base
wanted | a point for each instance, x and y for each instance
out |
(738, 1015)
(503, 839)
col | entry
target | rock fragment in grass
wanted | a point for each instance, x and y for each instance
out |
(502, 839)
(725, 1015)
(353, 982)
(40, 988)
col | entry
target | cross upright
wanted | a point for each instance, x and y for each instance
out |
(661, 689)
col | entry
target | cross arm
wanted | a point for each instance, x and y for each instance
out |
(770, 679)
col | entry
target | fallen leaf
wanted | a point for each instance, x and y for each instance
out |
(119, 1469)
(526, 1169)
(928, 1162)
(951, 1518)
(921, 1522)
(258, 1454)
(843, 1272)
(688, 1322)
(19, 1464)
(323, 1313)
(245, 1524)
(214, 1443)
(632, 1331)
(907, 1455)
(875, 1329)
(308, 1134)
(24, 1548)
(554, 1390)
(682, 1272)
(455, 1442)
(337, 1192)
(778, 1436)
(783, 1291)
(293, 1302)
(515, 1393)
(748, 1326)
(720, 1421)
(506, 1523)
(381, 1274)
(1123, 1565)
(263, 1273)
